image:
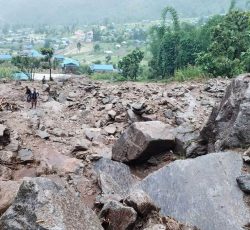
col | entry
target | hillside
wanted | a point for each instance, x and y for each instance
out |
(85, 11)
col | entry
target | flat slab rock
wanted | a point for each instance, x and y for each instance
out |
(143, 140)
(202, 192)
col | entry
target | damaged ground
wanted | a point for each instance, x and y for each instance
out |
(68, 140)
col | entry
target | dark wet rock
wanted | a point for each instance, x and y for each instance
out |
(25, 155)
(141, 202)
(143, 140)
(206, 187)
(115, 177)
(42, 204)
(118, 216)
(244, 183)
(4, 136)
(229, 123)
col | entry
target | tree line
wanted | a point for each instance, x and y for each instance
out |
(219, 47)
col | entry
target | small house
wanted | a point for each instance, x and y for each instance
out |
(102, 68)
(70, 65)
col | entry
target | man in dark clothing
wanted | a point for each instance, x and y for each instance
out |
(28, 94)
(34, 96)
(44, 80)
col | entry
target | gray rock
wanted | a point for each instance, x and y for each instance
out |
(229, 123)
(13, 146)
(202, 192)
(115, 177)
(81, 145)
(112, 114)
(42, 204)
(42, 134)
(141, 202)
(185, 136)
(25, 155)
(139, 108)
(143, 140)
(110, 129)
(244, 183)
(7, 156)
(133, 117)
(92, 133)
(118, 216)
(8, 192)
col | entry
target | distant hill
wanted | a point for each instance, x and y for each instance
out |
(93, 11)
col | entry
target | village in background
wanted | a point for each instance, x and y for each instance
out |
(76, 49)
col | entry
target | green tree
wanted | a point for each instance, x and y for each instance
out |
(48, 53)
(229, 50)
(129, 65)
(165, 45)
(27, 65)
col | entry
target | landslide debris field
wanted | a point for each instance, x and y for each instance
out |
(99, 155)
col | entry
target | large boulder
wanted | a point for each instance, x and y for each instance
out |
(229, 123)
(42, 204)
(202, 192)
(114, 177)
(143, 140)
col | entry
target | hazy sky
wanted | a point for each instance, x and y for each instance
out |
(85, 11)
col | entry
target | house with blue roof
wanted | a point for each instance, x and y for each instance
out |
(5, 57)
(102, 68)
(70, 65)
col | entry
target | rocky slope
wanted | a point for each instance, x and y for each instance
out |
(69, 154)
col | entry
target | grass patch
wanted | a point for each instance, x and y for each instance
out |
(107, 77)
(189, 73)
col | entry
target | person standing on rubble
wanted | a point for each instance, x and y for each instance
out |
(28, 94)
(34, 97)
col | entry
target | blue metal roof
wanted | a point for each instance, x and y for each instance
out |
(101, 67)
(5, 57)
(20, 76)
(70, 61)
